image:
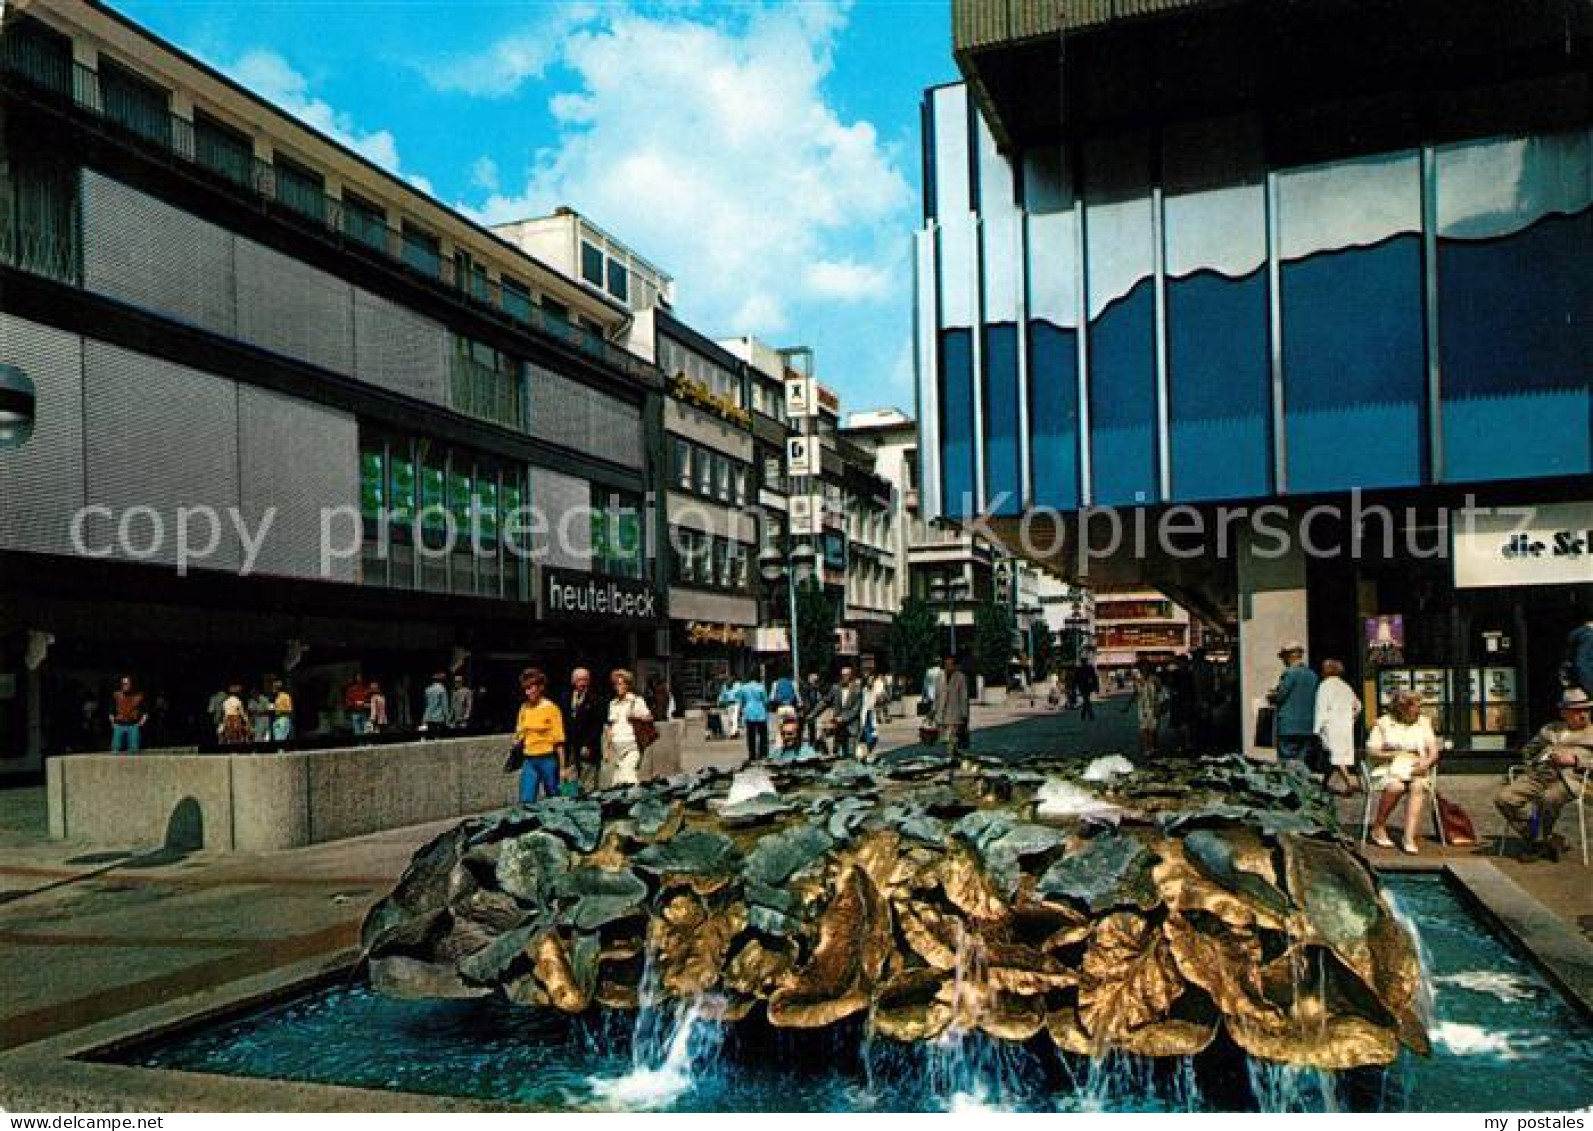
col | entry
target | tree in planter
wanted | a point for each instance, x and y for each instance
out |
(1045, 654)
(992, 643)
(915, 640)
(815, 628)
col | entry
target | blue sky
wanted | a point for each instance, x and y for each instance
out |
(766, 155)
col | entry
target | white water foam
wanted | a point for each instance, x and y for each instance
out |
(1499, 984)
(657, 1079)
(1059, 798)
(1105, 769)
(749, 783)
(1460, 1039)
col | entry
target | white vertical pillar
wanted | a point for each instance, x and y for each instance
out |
(1272, 610)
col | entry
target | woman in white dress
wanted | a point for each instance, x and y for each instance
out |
(1403, 739)
(624, 710)
(1337, 710)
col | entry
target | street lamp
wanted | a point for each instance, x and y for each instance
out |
(793, 568)
(948, 591)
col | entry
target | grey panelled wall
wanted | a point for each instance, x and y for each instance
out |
(562, 503)
(294, 309)
(399, 350)
(568, 413)
(159, 436)
(41, 482)
(151, 255)
(302, 460)
(148, 254)
(122, 430)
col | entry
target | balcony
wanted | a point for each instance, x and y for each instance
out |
(41, 75)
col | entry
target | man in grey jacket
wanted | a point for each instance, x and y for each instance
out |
(846, 713)
(1555, 761)
(951, 706)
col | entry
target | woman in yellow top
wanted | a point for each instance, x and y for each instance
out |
(539, 729)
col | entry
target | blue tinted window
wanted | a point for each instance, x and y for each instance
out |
(1054, 415)
(1354, 356)
(1515, 288)
(1003, 473)
(957, 422)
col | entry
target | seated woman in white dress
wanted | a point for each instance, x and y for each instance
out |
(1404, 741)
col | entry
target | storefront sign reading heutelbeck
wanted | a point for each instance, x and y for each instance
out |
(1547, 545)
(567, 595)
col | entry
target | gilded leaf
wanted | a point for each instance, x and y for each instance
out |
(1128, 978)
(854, 942)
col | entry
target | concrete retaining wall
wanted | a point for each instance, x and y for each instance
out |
(265, 802)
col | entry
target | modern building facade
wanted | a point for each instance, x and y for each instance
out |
(291, 414)
(1195, 255)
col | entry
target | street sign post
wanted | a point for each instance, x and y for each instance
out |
(801, 456)
(801, 397)
(807, 515)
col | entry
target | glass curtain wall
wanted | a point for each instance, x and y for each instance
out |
(1052, 266)
(1515, 294)
(1120, 268)
(1219, 372)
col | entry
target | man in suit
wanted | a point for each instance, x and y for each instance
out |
(1554, 760)
(951, 707)
(584, 713)
(846, 713)
(1295, 701)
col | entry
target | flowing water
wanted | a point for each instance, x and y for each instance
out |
(1495, 1023)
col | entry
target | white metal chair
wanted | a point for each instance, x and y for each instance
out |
(1374, 790)
(1578, 802)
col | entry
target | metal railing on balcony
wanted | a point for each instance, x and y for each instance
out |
(49, 253)
(44, 71)
(486, 393)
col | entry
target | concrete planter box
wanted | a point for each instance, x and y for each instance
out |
(266, 802)
(994, 697)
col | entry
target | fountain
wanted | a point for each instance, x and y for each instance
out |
(1208, 906)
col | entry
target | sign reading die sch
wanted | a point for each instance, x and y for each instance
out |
(569, 595)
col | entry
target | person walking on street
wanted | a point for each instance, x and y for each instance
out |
(1150, 697)
(378, 708)
(846, 713)
(539, 732)
(461, 705)
(950, 716)
(932, 679)
(752, 699)
(626, 712)
(1294, 699)
(234, 718)
(868, 724)
(882, 698)
(1086, 682)
(584, 716)
(434, 716)
(128, 716)
(260, 716)
(1337, 710)
(281, 711)
(1555, 757)
(357, 703)
(785, 698)
(813, 700)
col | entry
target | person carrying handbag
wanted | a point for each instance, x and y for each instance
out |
(630, 730)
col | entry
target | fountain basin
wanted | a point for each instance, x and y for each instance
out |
(1494, 1019)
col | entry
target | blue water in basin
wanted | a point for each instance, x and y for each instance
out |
(1504, 1040)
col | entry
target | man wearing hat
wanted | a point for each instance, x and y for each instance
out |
(1294, 699)
(1552, 758)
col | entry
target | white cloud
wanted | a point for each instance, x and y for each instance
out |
(713, 149)
(274, 79)
(503, 67)
(484, 173)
